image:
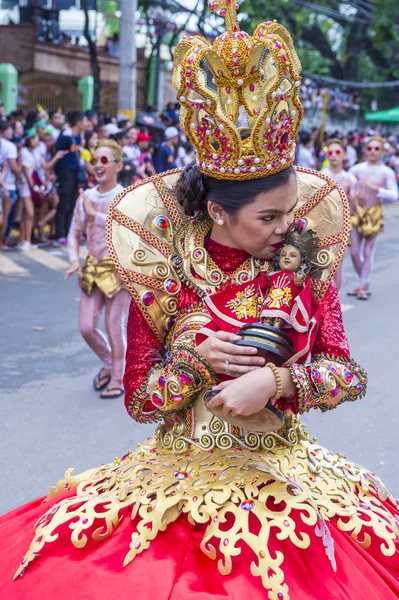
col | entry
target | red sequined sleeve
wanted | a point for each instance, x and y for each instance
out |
(332, 377)
(331, 338)
(143, 351)
(162, 378)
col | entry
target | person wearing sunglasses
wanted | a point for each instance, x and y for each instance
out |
(375, 183)
(100, 285)
(336, 154)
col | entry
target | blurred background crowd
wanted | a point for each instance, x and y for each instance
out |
(45, 160)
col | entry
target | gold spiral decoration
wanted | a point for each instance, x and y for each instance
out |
(172, 386)
(324, 258)
(252, 440)
(215, 425)
(170, 306)
(330, 382)
(292, 437)
(139, 257)
(161, 271)
(198, 255)
(167, 439)
(242, 277)
(207, 441)
(225, 441)
(269, 442)
(180, 445)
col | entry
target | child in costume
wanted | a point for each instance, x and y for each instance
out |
(100, 284)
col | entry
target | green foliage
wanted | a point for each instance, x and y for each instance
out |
(109, 8)
(347, 40)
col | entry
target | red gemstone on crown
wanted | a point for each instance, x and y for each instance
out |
(177, 398)
(185, 379)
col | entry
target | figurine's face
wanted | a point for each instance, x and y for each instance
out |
(290, 258)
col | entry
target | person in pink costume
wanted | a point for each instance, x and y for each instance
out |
(336, 155)
(376, 183)
(100, 284)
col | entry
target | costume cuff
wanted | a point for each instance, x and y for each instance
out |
(327, 382)
(140, 407)
(181, 380)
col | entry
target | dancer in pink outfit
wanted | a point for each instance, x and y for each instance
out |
(100, 284)
(336, 155)
(376, 183)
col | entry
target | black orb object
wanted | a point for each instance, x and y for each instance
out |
(273, 344)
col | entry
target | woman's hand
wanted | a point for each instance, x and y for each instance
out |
(246, 395)
(227, 358)
(74, 268)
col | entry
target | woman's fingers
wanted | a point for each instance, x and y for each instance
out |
(237, 370)
(233, 349)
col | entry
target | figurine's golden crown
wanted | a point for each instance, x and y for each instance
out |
(239, 98)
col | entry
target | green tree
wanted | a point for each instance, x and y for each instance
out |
(353, 40)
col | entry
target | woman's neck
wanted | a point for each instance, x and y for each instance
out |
(220, 235)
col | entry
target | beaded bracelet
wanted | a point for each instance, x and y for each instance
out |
(279, 382)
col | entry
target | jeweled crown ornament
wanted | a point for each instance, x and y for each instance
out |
(239, 98)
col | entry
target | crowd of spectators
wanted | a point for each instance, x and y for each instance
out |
(312, 151)
(46, 158)
(312, 96)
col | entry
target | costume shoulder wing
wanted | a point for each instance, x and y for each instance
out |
(141, 223)
(324, 207)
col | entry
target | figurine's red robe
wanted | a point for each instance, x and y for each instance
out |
(267, 297)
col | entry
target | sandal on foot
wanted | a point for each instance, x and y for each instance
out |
(101, 381)
(114, 392)
(362, 295)
(353, 292)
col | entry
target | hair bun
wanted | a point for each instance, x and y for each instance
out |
(190, 190)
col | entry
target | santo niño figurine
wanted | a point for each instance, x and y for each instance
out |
(292, 266)
(276, 313)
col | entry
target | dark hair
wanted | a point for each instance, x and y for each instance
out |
(90, 113)
(194, 190)
(31, 118)
(28, 141)
(121, 135)
(4, 125)
(74, 117)
(88, 136)
(304, 137)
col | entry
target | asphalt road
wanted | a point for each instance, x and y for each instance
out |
(51, 418)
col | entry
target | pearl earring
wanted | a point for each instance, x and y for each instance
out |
(220, 222)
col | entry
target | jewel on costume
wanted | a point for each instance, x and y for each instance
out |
(148, 299)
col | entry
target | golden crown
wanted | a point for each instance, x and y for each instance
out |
(239, 98)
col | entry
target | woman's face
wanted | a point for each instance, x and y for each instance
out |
(93, 141)
(34, 142)
(260, 225)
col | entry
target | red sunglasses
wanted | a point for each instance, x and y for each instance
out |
(331, 152)
(377, 148)
(104, 160)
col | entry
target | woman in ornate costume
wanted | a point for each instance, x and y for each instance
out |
(214, 508)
